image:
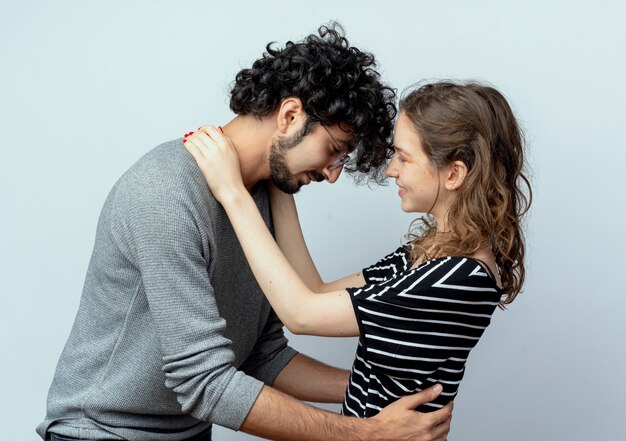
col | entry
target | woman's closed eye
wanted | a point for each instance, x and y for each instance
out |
(398, 155)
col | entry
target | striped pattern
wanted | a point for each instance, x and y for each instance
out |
(417, 328)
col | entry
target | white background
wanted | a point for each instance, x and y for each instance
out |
(87, 87)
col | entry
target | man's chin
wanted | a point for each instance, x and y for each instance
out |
(292, 190)
(288, 187)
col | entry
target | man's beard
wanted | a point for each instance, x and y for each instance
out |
(279, 171)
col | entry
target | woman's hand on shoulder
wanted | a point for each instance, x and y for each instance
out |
(218, 161)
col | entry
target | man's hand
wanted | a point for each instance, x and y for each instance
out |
(278, 416)
(400, 421)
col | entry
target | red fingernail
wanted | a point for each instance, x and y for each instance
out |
(221, 130)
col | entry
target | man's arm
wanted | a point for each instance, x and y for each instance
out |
(271, 352)
(310, 380)
(161, 231)
(278, 416)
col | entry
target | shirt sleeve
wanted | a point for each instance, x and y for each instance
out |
(419, 327)
(271, 352)
(160, 226)
(387, 267)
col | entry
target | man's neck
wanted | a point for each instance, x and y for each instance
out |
(251, 138)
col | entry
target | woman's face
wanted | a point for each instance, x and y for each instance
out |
(418, 180)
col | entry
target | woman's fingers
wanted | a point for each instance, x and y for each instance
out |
(216, 134)
(195, 152)
(215, 150)
(202, 143)
(196, 148)
(205, 128)
(204, 139)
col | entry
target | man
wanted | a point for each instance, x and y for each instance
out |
(173, 333)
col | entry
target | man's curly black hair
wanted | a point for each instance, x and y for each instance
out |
(336, 83)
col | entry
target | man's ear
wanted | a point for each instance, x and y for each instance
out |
(290, 113)
(457, 171)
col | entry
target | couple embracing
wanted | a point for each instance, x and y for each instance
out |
(199, 262)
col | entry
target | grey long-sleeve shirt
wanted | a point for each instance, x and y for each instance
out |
(172, 333)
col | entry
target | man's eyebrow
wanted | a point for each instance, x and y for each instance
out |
(347, 146)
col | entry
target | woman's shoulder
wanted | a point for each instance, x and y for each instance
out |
(456, 273)
(440, 284)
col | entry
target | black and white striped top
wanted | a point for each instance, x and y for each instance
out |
(417, 328)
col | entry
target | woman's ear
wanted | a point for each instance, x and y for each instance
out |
(457, 171)
(289, 113)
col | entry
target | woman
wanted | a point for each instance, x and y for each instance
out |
(458, 156)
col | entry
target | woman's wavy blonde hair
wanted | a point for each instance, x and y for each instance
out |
(473, 123)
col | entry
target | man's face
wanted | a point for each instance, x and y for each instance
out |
(308, 155)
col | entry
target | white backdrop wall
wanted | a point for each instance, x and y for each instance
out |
(87, 87)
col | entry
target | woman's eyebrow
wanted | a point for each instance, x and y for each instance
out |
(401, 150)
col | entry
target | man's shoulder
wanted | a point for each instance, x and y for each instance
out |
(168, 160)
(165, 176)
(166, 168)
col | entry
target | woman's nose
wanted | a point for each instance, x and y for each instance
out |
(390, 172)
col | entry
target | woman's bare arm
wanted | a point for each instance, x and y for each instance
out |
(300, 308)
(290, 240)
